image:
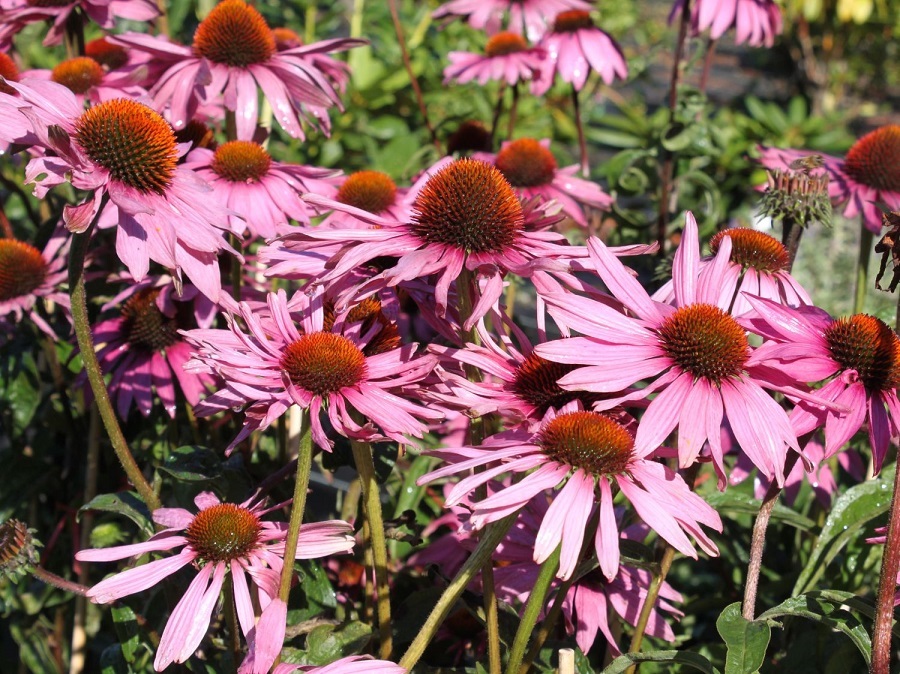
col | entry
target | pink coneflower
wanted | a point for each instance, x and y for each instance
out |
(142, 351)
(28, 275)
(124, 151)
(90, 81)
(507, 58)
(756, 22)
(234, 53)
(868, 174)
(465, 216)
(694, 352)
(337, 72)
(531, 169)
(529, 17)
(355, 664)
(221, 537)
(374, 192)
(16, 14)
(759, 266)
(590, 453)
(575, 47)
(288, 356)
(860, 352)
(266, 193)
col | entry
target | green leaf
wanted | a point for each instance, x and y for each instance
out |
(112, 661)
(325, 644)
(732, 501)
(854, 509)
(747, 640)
(830, 608)
(693, 660)
(125, 623)
(20, 389)
(125, 503)
(192, 463)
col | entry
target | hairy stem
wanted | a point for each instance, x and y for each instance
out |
(533, 608)
(887, 586)
(490, 538)
(56, 581)
(85, 340)
(790, 238)
(298, 505)
(234, 640)
(365, 466)
(650, 601)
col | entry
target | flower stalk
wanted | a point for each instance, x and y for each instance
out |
(884, 607)
(582, 142)
(862, 267)
(85, 340)
(298, 505)
(665, 563)
(533, 609)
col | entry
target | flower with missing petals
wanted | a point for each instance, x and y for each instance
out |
(584, 455)
(125, 153)
(234, 53)
(868, 174)
(221, 538)
(286, 355)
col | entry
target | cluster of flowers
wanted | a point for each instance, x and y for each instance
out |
(570, 424)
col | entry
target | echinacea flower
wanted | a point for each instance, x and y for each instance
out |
(528, 17)
(234, 53)
(867, 175)
(860, 354)
(220, 538)
(759, 266)
(142, 351)
(90, 81)
(588, 453)
(264, 192)
(28, 275)
(756, 22)
(507, 58)
(531, 169)
(286, 356)
(694, 353)
(575, 47)
(16, 14)
(125, 152)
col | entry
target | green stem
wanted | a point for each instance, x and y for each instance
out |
(862, 267)
(650, 601)
(549, 621)
(365, 466)
(490, 538)
(533, 609)
(309, 21)
(298, 505)
(74, 34)
(582, 142)
(85, 340)
(513, 112)
(232, 622)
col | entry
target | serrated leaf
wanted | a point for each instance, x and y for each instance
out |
(125, 503)
(192, 463)
(745, 504)
(854, 509)
(831, 608)
(693, 660)
(747, 640)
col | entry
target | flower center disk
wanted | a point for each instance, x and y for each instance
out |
(131, 141)
(469, 205)
(223, 533)
(869, 346)
(572, 20)
(536, 382)
(505, 43)
(79, 75)
(705, 341)
(371, 191)
(234, 34)
(241, 161)
(753, 249)
(8, 71)
(22, 269)
(323, 363)
(589, 441)
(106, 53)
(526, 163)
(145, 325)
(874, 159)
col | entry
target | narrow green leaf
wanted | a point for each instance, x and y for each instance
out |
(125, 503)
(127, 630)
(693, 660)
(732, 501)
(747, 640)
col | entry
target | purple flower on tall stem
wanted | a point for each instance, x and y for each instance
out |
(287, 356)
(867, 175)
(507, 58)
(694, 353)
(124, 151)
(234, 53)
(756, 22)
(590, 454)
(220, 538)
(28, 275)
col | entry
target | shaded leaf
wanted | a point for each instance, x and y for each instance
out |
(192, 463)
(733, 501)
(325, 643)
(125, 503)
(693, 660)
